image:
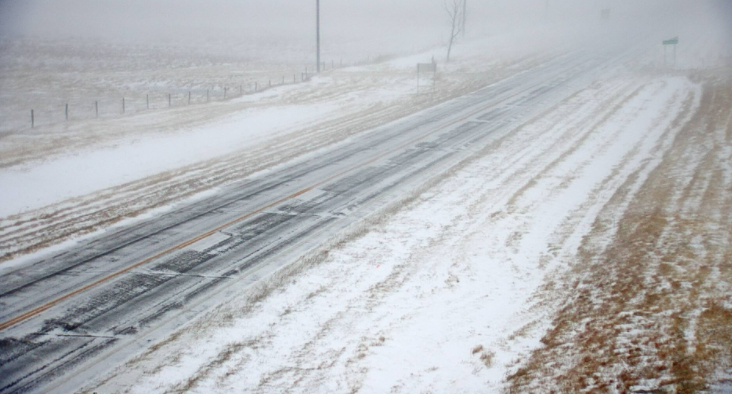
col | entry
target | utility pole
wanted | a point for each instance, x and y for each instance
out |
(317, 28)
(465, 15)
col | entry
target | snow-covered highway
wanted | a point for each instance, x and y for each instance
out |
(105, 298)
(365, 197)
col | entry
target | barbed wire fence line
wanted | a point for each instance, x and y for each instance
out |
(153, 100)
(159, 99)
(63, 108)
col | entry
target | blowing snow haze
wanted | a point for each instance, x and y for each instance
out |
(366, 27)
(542, 203)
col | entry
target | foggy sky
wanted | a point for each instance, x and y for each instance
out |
(421, 21)
(170, 19)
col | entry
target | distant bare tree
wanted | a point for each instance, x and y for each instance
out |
(454, 9)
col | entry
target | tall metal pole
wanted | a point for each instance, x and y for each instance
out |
(317, 22)
(465, 14)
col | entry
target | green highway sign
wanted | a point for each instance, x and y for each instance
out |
(672, 41)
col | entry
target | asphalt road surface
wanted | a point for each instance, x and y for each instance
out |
(70, 317)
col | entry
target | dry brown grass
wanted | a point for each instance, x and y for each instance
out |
(487, 358)
(220, 359)
(653, 310)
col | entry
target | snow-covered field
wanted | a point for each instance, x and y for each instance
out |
(45, 75)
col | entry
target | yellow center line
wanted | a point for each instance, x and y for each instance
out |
(35, 311)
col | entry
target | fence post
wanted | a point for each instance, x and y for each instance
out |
(67, 112)
(241, 89)
(33, 120)
(123, 105)
(147, 100)
(96, 109)
(225, 92)
(169, 101)
(189, 97)
(207, 95)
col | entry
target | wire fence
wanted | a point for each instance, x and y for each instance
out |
(153, 100)
(157, 99)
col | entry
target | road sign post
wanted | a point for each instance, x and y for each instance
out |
(674, 41)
